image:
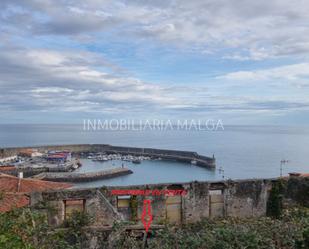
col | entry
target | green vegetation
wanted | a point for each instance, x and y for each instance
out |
(295, 188)
(274, 203)
(26, 229)
(291, 231)
(133, 207)
(298, 189)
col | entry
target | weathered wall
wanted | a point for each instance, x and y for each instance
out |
(297, 189)
(245, 198)
(196, 202)
(95, 205)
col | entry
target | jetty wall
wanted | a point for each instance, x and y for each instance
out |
(83, 177)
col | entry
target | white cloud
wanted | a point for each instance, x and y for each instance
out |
(46, 57)
(51, 90)
(35, 76)
(294, 72)
(259, 30)
(49, 80)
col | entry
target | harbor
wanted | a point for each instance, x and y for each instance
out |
(100, 164)
(147, 172)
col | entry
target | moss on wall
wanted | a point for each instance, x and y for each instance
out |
(298, 189)
(133, 208)
(274, 203)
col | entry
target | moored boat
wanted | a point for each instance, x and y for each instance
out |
(136, 161)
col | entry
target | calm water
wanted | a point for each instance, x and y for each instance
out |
(147, 172)
(243, 151)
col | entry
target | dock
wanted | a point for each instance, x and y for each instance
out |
(83, 177)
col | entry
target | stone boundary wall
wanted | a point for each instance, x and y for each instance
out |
(243, 198)
(240, 198)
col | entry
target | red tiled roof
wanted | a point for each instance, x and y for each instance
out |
(13, 184)
(13, 200)
(5, 168)
(299, 174)
(304, 175)
(14, 190)
(27, 150)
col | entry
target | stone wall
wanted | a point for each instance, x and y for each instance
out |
(245, 198)
(102, 212)
(196, 202)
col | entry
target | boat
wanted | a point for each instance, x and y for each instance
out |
(136, 161)
(193, 162)
(100, 159)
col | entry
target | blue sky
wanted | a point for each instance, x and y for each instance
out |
(239, 61)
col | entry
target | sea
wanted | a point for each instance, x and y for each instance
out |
(241, 152)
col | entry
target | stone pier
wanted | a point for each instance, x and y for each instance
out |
(83, 177)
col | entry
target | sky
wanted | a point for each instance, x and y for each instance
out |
(240, 61)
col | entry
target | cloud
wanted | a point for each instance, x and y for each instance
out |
(258, 30)
(51, 58)
(294, 72)
(46, 80)
(53, 80)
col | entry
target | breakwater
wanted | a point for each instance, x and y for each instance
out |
(177, 155)
(83, 177)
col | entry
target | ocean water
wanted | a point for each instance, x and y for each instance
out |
(242, 151)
